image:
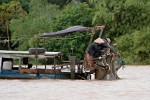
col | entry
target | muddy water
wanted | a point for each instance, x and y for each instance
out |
(133, 85)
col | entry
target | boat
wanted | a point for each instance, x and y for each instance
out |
(72, 69)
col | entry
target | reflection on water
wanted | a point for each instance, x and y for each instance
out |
(134, 84)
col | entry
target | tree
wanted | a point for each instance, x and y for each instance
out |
(37, 21)
(61, 3)
(135, 47)
(72, 14)
(12, 10)
(4, 1)
(127, 19)
(123, 16)
(25, 4)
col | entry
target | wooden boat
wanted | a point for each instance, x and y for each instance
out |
(71, 69)
(7, 69)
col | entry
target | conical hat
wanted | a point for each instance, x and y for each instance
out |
(99, 40)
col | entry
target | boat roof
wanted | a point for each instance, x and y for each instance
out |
(12, 54)
(67, 31)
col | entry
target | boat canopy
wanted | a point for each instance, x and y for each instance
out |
(12, 54)
(67, 31)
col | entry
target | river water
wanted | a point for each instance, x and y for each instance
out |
(133, 85)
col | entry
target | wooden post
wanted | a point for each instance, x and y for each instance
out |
(110, 75)
(36, 44)
(72, 66)
(45, 62)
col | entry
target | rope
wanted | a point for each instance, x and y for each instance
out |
(81, 77)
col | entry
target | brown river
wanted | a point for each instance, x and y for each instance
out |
(133, 85)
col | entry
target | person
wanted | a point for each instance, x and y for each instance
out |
(95, 50)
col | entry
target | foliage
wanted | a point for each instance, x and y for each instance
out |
(12, 10)
(37, 21)
(25, 4)
(127, 20)
(135, 47)
(122, 16)
(61, 3)
(127, 24)
(4, 1)
(79, 14)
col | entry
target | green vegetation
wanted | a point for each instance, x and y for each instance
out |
(128, 25)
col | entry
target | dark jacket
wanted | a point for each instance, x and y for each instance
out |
(95, 49)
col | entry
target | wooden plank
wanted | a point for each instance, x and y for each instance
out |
(39, 71)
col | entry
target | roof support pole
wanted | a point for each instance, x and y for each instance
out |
(72, 66)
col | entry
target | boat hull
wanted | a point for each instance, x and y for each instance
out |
(15, 74)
